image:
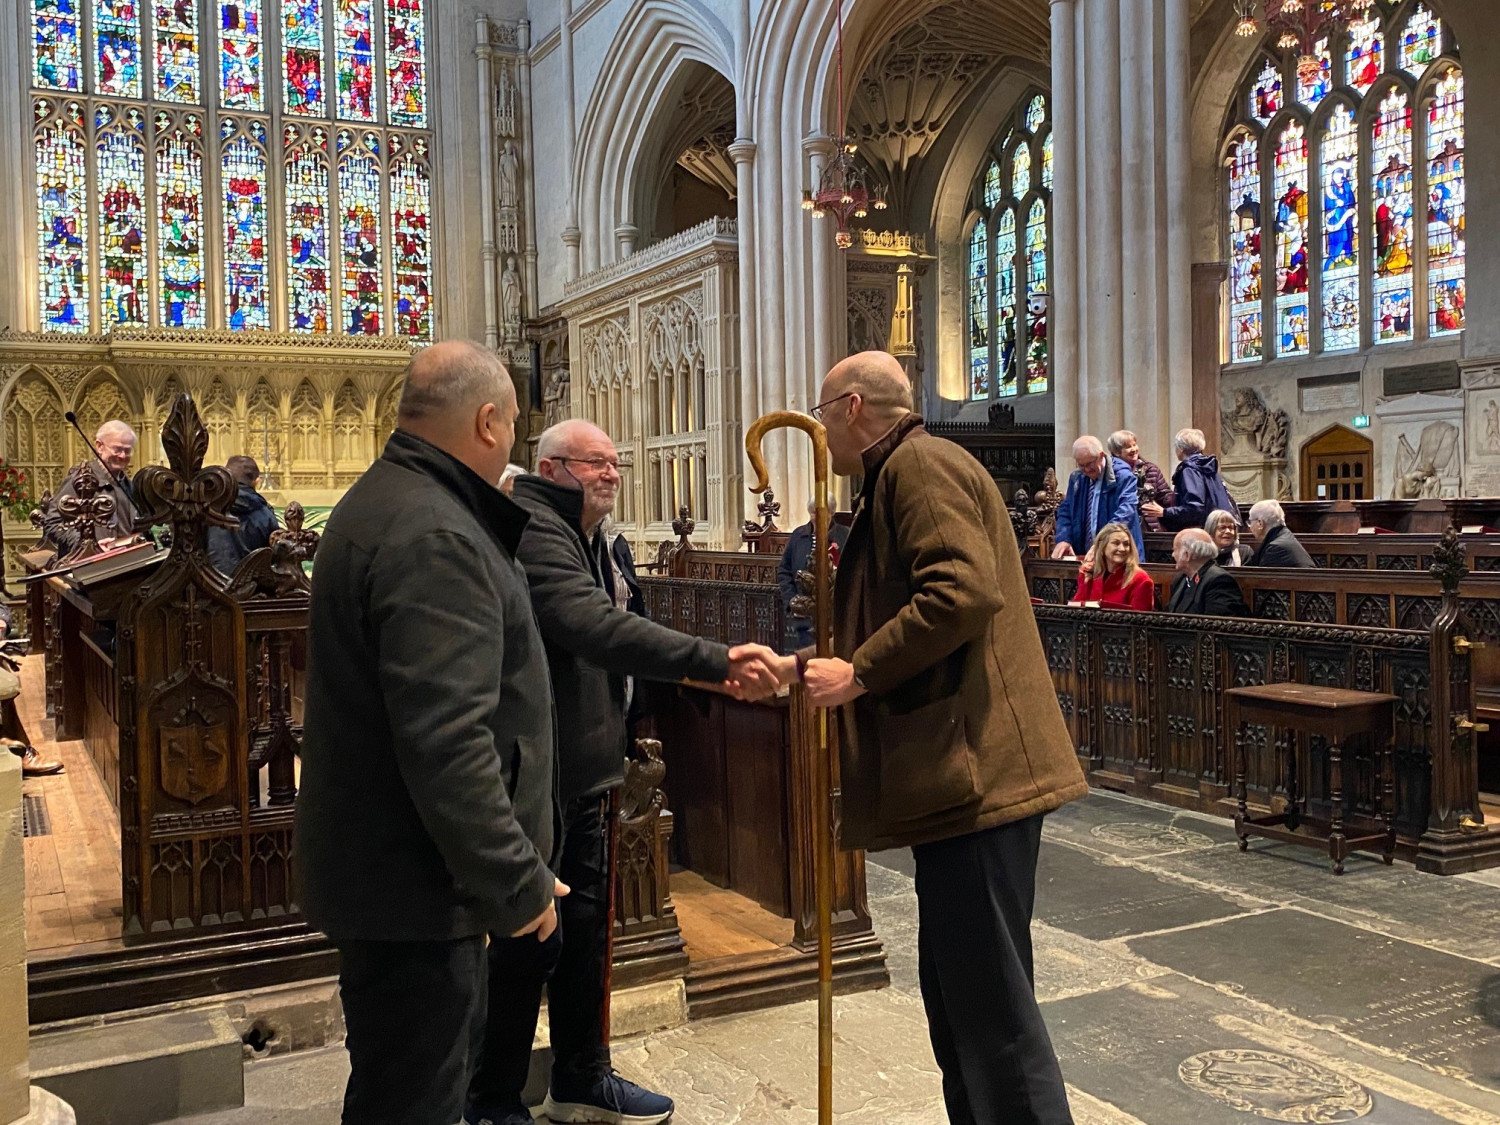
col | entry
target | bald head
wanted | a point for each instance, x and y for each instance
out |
(458, 396)
(579, 456)
(569, 438)
(1193, 549)
(877, 377)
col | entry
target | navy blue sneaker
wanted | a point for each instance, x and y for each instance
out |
(610, 1100)
(516, 1114)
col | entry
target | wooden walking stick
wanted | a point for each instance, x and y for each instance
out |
(822, 819)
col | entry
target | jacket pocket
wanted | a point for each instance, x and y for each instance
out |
(926, 765)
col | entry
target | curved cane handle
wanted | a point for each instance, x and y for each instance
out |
(785, 419)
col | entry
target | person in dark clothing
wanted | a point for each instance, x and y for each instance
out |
(1202, 586)
(798, 557)
(115, 444)
(1127, 447)
(426, 819)
(595, 645)
(1276, 545)
(1196, 486)
(257, 519)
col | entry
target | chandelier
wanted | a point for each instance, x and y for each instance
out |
(844, 190)
(1301, 23)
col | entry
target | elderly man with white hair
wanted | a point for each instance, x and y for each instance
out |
(1202, 586)
(1101, 491)
(1277, 546)
(1196, 484)
(114, 441)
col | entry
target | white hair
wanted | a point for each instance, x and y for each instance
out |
(1088, 445)
(1189, 441)
(114, 428)
(1196, 548)
(1119, 440)
(557, 440)
(1269, 512)
(511, 471)
(1216, 517)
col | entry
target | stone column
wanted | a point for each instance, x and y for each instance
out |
(487, 201)
(903, 341)
(1101, 398)
(1176, 73)
(625, 236)
(572, 237)
(1141, 365)
(528, 204)
(1063, 322)
(742, 152)
(820, 149)
(1208, 337)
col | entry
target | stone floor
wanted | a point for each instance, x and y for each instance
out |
(1183, 982)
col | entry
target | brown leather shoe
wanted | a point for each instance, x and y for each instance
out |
(32, 763)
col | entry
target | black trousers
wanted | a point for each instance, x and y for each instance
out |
(571, 966)
(414, 1012)
(974, 899)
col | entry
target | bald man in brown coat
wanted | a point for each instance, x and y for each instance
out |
(953, 741)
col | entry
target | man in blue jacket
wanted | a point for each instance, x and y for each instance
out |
(1101, 491)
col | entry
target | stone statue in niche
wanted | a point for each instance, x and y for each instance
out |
(508, 186)
(1255, 428)
(1420, 471)
(556, 399)
(509, 170)
(1492, 427)
(510, 300)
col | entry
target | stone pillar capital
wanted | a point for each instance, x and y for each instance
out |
(819, 144)
(572, 237)
(523, 36)
(742, 151)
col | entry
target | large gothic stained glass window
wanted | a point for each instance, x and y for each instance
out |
(192, 171)
(1373, 141)
(1010, 248)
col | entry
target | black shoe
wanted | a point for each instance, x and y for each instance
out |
(609, 1100)
(512, 1114)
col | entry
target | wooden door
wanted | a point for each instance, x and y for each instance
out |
(1338, 464)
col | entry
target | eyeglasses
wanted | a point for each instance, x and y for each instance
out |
(817, 411)
(597, 464)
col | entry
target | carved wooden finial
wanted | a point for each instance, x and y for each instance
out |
(88, 507)
(183, 494)
(1448, 562)
(683, 526)
(1050, 498)
(306, 541)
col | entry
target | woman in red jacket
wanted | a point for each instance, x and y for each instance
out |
(1112, 574)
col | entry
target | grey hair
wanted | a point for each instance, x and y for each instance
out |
(1189, 441)
(435, 389)
(1203, 549)
(1119, 440)
(1268, 512)
(114, 428)
(1090, 445)
(812, 505)
(512, 470)
(1216, 517)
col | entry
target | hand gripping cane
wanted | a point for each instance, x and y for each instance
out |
(822, 818)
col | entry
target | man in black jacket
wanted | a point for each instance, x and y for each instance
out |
(257, 518)
(1202, 586)
(594, 644)
(426, 816)
(1277, 546)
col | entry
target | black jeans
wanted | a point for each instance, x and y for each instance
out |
(571, 966)
(414, 1011)
(974, 898)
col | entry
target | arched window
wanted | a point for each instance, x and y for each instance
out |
(1374, 129)
(1008, 264)
(196, 172)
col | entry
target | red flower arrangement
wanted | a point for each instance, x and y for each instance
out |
(16, 499)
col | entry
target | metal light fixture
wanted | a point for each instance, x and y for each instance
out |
(1301, 24)
(845, 189)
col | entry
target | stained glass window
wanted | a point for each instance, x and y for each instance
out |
(56, 53)
(1391, 194)
(176, 40)
(1421, 40)
(359, 197)
(1244, 251)
(1340, 151)
(241, 85)
(124, 266)
(302, 55)
(62, 217)
(1314, 88)
(1365, 59)
(1005, 299)
(179, 216)
(244, 180)
(979, 312)
(1265, 94)
(1047, 162)
(405, 62)
(1292, 336)
(992, 188)
(411, 255)
(1036, 298)
(307, 234)
(1445, 205)
(117, 43)
(354, 34)
(1020, 169)
(1036, 113)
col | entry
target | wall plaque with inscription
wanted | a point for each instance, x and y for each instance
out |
(1442, 376)
(1330, 396)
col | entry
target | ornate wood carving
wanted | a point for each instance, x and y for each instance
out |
(648, 940)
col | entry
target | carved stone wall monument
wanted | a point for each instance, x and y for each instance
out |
(1421, 447)
(1253, 437)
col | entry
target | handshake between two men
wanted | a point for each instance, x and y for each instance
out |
(757, 672)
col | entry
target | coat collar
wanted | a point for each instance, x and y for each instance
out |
(566, 502)
(498, 512)
(876, 455)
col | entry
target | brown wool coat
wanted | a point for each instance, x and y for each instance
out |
(960, 729)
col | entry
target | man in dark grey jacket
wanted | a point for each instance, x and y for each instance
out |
(1277, 546)
(594, 645)
(426, 816)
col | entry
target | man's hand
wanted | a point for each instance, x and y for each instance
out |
(1151, 508)
(755, 671)
(545, 923)
(1062, 550)
(1086, 565)
(831, 682)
